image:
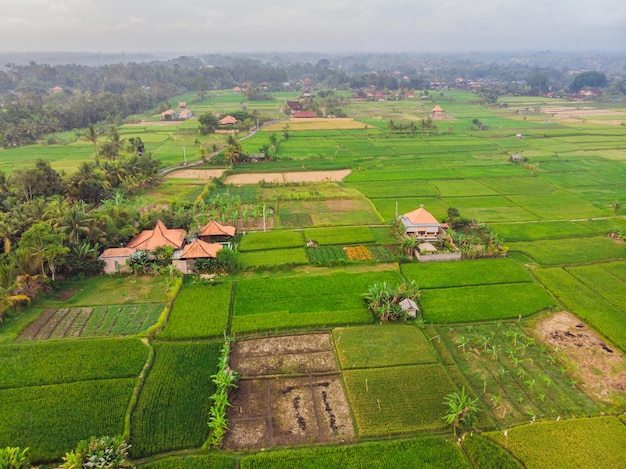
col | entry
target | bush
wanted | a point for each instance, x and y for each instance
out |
(105, 452)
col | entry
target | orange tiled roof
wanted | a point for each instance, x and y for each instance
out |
(214, 228)
(148, 240)
(200, 249)
(227, 120)
(421, 216)
(437, 109)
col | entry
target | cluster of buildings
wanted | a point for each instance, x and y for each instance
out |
(212, 237)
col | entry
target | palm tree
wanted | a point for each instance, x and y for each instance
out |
(92, 136)
(461, 411)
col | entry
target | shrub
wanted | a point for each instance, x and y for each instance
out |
(104, 452)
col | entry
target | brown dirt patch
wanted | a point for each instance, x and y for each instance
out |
(30, 333)
(195, 174)
(291, 177)
(281, 411)
(311, 353)
(284, 412)
(65, 295)
(577, 114)
(601, 368)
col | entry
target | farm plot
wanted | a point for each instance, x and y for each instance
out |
(274, 257)
(396, 400)
(85, 321)
(262, 241)
(465, 273)
(558, 205)
(312, 300)
(600, 370)
(213, 460)
(571, 251)
(378, 346)
(173, 406)
(327, 212)
(602, 281)
(433, 453)
(42, 363)
(542, 230)
(600, 442)
(604, 316)
(387, 206)
(334, 236)
(50, 420)
(484, 302)
(517, 375)
(408, 188)
(285, 411)
(200, 310)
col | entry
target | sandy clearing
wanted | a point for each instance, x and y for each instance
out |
(283, 178)
(195, 174)
(576, 114)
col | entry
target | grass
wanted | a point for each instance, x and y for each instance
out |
(464, 273)
(397, 400)
(44, 363)
(201, 309)
(483, 302)
(571, 251)
(424, 452)
(109, 290)
(214, 461)
(273, 258)
(271, 240)
(382, 345)
(50, 420)
(173, 407)
(596, 442)
(334, 236)
(312, 300)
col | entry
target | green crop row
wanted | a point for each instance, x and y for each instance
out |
(327, 255)
(173, 407)
(39, 363)
(433, 453)
(214, 461)
(585, 442)
(200, 310)
(487, 455)
(274, 257)
(471, 272)
(334, 236)
(484, 302)
(571, 251)
(271, 240)
(382, 345)
(50, 420)
(395, 400)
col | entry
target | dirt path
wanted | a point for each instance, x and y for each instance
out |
(292, 177)
(195, 174)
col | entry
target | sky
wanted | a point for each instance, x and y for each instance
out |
(210, 26)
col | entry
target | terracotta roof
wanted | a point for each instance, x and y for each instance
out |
(227, 120)
(200, 249)
(186, 114)
(420, 216)
(236, 89)
(148, 240)
(213, 228)
(182, 104)
(437, 108)
(116, 252)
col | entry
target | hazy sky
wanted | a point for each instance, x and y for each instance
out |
(191, 26)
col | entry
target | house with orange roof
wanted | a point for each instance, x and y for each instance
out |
(214, 232)
(168, 115)
(148, 240)
(182, 105)
(184, 260)
(185, 114)
(421, 225)
(116, 260)
(437, 111)
(228, 120)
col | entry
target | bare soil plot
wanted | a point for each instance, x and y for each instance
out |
(601, 368)
(319, 123)
(270, 411)
(309, 353)
(570, 114)
(290, 177)
(195, 174)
